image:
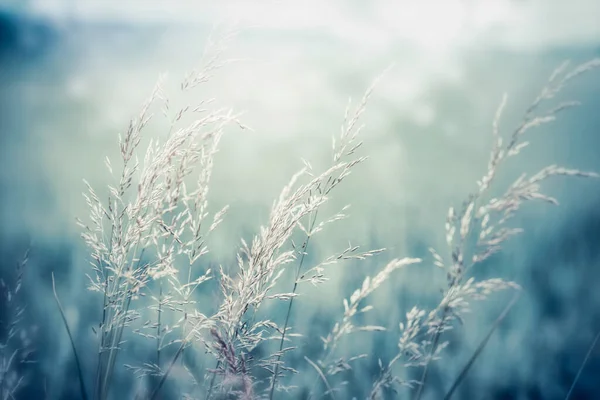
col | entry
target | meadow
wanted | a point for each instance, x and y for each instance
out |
(316, 279)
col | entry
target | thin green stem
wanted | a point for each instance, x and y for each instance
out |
(166, 374)
(481, 346)
(585, 360)
(291, 302)
(75, 354)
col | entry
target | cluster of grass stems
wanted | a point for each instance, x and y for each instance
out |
(149, 239)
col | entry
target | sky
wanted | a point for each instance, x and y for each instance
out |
(430, 23)
(75, 72)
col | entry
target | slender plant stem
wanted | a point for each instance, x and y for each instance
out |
(291, 302)
(438, 332)
(179, 352)
(321, 375)
(166, 374)
(380, 381)
(212, 381)
(103, 324)
(77, 362)
(481, 346)
(158, 325)
(125, 304)
(101, 341)
(585, 360)
(436, 340)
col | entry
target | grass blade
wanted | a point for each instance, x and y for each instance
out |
(64, 318)
(323, 377)
(481, 346)
(585, 360)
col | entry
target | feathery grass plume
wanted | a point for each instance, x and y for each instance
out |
(352, 307)
(485, 221)
(262, 262)
(16, 349)
(158, 214)
(149, 239)
(343, 149)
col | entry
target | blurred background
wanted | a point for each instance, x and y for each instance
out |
(73, 73)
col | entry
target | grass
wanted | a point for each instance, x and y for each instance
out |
(149, 239)
(16, 347)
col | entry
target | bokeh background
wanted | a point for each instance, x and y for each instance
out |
(72, 74)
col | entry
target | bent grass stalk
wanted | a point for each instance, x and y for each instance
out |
(521, 190)
(71, 341)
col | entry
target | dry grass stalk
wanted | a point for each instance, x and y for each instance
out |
(16, 345)
(159, 218)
